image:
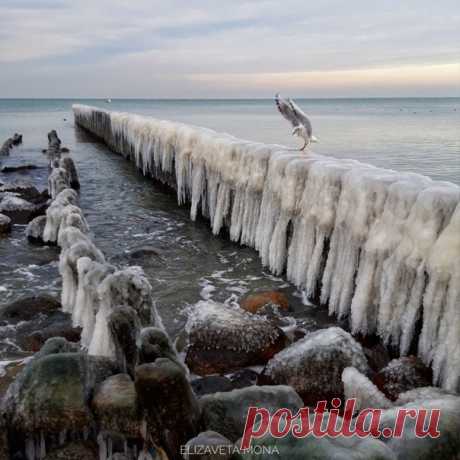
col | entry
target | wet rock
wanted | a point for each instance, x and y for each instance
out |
(5, 224)
(211, 384)
(377, 355)
(401, 375)
(52, 393)
(215, 442)
(56, 345)
(18, 210)
(313, 366)
(166, 399)
(7, 376)
(125, 327)
(244, 378)
(24, 189)
(37, 339)
(411, 447)
(18, 168)
(28, 308)
(255, 302)
(226, 412)
(154, 343)
(312, 447)
(114, 405)
(224, 339)
(74, 451)
(35, 229)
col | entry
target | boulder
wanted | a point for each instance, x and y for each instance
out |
(53, 391)
(56, 345)
(401, 375)
(226, 412)
(28, 308)
(314, 448)
(5, 224)
(125, 326)
(219, 446)
(35, 228)
(74, 451)
(313, 366)
(18, 168)
(114, 406)
(255, 302)
(18, 210)
(166, 400)
(411, 447)
(63, 329)
(211, 384)
(224, 339)
(24, 189)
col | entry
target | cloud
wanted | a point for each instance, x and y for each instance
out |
(46, 45)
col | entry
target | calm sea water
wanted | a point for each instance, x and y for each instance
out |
(126, 212)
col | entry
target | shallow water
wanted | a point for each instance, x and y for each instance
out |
(127, 212)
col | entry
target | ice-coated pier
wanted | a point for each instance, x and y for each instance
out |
(377, 246)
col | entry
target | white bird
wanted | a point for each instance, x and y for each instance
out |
(302, 126)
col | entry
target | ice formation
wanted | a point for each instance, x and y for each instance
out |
(377, 246)
(358, 386)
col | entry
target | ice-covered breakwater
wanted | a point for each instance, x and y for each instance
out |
(377, 246)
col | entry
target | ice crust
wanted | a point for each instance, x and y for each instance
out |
(379, 247)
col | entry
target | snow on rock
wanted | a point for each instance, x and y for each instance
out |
(358, 386)
(313, 366)
(223, 338)
(402, 374)
(5, 224)
(379, 247)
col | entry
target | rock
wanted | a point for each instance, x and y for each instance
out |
(211, 384)
(64, 149)
(411, 447)
(244, 378)
(52, 393)
(401, 375)
(376, 353)
(25, 190)
(314, 448)
(7, 376)
(357, 386)
(25, 167)
(209, 439)
(154, 343)
(166, 399)
(18, 210)
(114, 405)
(226, 412)
(255, 302)
(125, 327)
(56, 345)
(35, 228)
(5, 224)
(37, 339)
(74, 451)
(26, 308)
(313, 366)
(224, 339)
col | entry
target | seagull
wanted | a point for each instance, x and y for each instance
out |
(293, 113)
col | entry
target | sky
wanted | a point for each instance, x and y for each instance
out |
(229, 48)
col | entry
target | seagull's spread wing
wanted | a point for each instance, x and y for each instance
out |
(286, 110)
(301, 117)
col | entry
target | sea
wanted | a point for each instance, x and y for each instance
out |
(127, 212)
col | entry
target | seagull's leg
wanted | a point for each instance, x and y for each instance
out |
(304, 145)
